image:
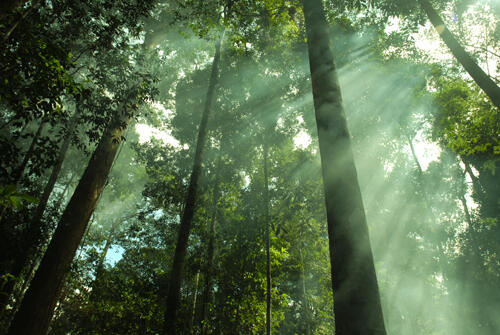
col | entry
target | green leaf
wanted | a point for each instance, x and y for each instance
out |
(15, 201)
(28, 198)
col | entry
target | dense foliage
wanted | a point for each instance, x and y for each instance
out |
(425, 138)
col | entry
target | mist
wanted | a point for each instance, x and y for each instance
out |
(423, 135)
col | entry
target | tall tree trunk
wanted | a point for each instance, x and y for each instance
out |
(35, 235)
(27, 156)
(172, 302)
(193, 305)
(37, 308)
(476, 184)
(28, 257)
(356, 297)
(42, 204)
(268, 241)
(16, 269)
(207, 290)
(100, 265)
(480, 77)
(18, 175)
(425, 197)
(306, 317)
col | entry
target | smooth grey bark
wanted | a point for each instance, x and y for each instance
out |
(484, 81)
(37, 308)
(172, 301)
(356, 296)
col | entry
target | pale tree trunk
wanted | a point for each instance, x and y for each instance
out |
(193, 305)
(305, 301)
(425, 196)
(172, 301)
(480, 77)
(207, 290)
(102, 258)
(356, 296)
(37, 308)
(268, 240)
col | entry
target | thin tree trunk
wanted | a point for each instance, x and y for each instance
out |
(195, 298)
(476, 184)
(480, 77)
(8, 288)
(268, 241)
(18, 175)
(356, 297)
(102, 258)
(431, 217)
(37, 308)
(304, 294)
(207, 290)
(22, 168)
(172, 302)
(237, 318)
(35, 234)
(42, 204)
(16, 23)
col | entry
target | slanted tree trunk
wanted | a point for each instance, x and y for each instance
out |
(34, 235)
(14, 24)
(356, 297)
(37, 308)
(42, 203)
(268, 241)
(172, 302)
(18, 175)
(480, 77)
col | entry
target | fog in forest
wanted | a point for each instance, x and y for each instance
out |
(128, 93)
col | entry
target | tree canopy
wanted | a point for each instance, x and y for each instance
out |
(249, 167)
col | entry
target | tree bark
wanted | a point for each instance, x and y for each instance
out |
(356, 297)
(268, 241)
(22, 168)
(33, 236)
(172, 302)
(480, 77)
(42, 204)
(37, 308)
(100, 265)
(193, 305)
(207, 290)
